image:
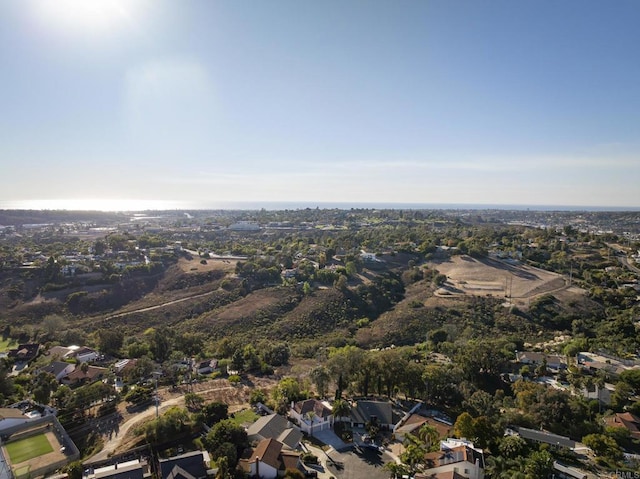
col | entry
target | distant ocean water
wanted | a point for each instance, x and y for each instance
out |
(149, 205)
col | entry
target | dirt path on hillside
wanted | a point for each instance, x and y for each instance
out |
(115, 439)
(235, 396)
(158, 306)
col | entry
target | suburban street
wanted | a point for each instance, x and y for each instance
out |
(359, 463)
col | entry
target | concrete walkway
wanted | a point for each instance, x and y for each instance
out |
(321, 468)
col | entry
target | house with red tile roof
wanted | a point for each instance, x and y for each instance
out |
(81, 376)
(626, 420)
(413, 423)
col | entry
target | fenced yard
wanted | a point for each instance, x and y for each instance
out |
(38, 447)
(28, 448)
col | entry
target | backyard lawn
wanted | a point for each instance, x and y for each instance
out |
(245, 416)
(28, 448)
(5, 344)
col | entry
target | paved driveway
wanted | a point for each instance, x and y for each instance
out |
(330, 438)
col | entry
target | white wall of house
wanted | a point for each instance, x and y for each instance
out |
(310, 426)
(265, 470)
(315, 424)
(86, 357)
(69, 369)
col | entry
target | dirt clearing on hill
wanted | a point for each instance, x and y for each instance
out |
(195, 265)
(488, 277)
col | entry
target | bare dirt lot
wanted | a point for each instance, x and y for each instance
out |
(216, 264)
(487, 277)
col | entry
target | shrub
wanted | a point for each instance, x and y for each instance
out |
(309, 458)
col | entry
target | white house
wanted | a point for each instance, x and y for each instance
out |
(555, 362)
(270, 459)
(59, 369)
(205, 367)
(81, 353)
(84, 354)
(457, 458)
(602, 394)
(312, 415)
(266, 459)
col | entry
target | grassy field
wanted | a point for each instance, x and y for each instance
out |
(28, 448)
(22, 472)
(6, 344)
(245, 416)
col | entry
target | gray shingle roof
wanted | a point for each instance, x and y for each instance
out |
(365, 410)
(546, 437)
(276, 427)
(187, 466)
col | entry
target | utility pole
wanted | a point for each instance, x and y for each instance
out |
(156, 374)
(570, 272)
(157, 400)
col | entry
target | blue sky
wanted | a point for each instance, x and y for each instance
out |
(196, 103)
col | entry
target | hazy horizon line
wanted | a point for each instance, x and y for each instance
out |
(123, 206)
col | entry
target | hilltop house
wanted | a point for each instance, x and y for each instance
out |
(205, 367)
(605, 362)
(125, 369)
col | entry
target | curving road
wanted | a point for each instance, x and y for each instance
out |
(112, 444)
(115, 441)
(625, 262)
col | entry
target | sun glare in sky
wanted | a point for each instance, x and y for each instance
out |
(420, 101)
(86, 15)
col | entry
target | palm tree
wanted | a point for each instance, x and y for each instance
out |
(396, 470)
(414, 454)
(310, 416)
(429, 436)
(341, 408)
